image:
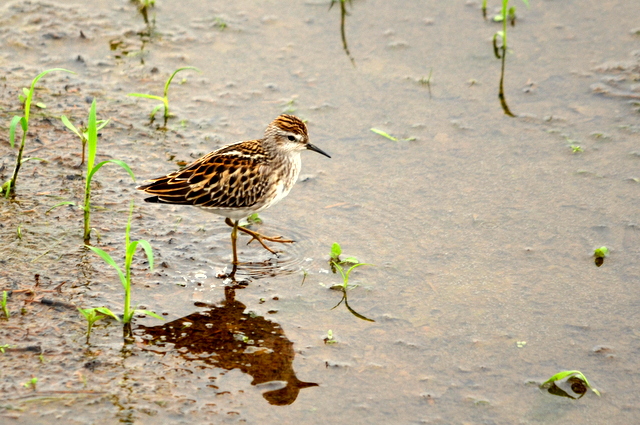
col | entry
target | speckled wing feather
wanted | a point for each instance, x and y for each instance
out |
(234, 176)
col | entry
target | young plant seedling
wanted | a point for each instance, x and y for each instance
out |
(93, 315)
(3, 303)
(501, 51)
(91, 133)
(83, 133)
(329, 338)
(31, 383)
(427, 81)
(600, 255)
(390, 137)
(339, 265)
(343, 17)
(4, 347)
(125, 277)
(26, 99)
(576, 379)
(165, 98)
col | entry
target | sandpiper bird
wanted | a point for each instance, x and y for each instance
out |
(240, 179)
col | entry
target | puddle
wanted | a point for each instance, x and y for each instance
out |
(480, 229)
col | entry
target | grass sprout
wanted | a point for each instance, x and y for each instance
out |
(343, 17)
(164, 98)
(31, 383)
(3, 304)
(125, 276)
(93, 315)
(390, 137)
(26, 99)
(345, 267)
(329, 338)
(507, 13)
(91, 136)
(83, 133)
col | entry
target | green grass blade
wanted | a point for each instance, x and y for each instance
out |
(92, 138)
(70, 126)
(149, 313)
(148, 250)
(12, 129)
(32, 158)
(102, 124)
(86, 312)
(107, 312)
(59, 204)
(107, 259)
(147, 96)
(383, 134)
(155, 110)
(560, 375)
(166, 86)
(27, 102)
(113, 161)
(131, 249)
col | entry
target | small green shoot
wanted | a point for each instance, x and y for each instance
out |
(576, 148)
(165, 98)
(26, 98)
(343, 18)
(329, 338)
(19, 232)
(3, 304)
(507, 13)
(427, 81)
(335, 260)
(289, 107)
(91, 137)
(125, 277)
(93, 315)
(219, 23)
(390, 137)
(4, 347)
(601, 252)
(31, 383)
(577, 380)
(339, 265)
(383, 134)
(83, 133)
(600, 255)
(254, 219)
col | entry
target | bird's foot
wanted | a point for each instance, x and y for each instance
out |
(261, 238)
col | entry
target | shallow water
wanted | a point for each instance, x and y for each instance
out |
(480, 231)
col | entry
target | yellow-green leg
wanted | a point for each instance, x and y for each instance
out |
(254, 235)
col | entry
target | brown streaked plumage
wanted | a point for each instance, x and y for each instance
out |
(240, 179)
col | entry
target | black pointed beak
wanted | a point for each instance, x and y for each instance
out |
(317, 149)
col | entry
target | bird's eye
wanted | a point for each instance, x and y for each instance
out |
(291, 138)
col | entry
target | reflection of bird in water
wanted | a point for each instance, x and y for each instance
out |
(240, 179)
(228, 338)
